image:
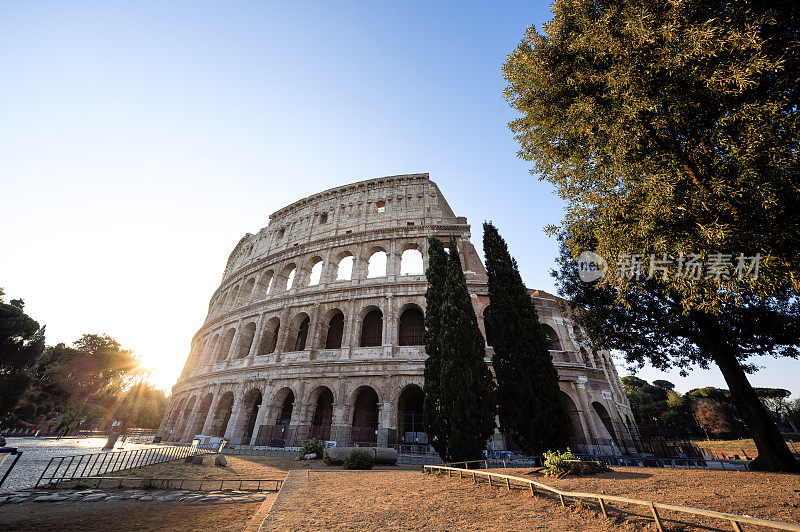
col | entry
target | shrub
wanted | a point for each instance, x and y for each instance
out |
(358, 459)
(555, 462)
(311, 446)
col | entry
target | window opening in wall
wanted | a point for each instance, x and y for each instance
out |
(290, 279)
(323, 218)
(281, 232)
(316, 274)
(380, 206)
(269, 285)
(409, 223)
(376, 266)
(345, 269)
(335, 332)
(412, 327)
(411, 262)
(348, 231)
(372, 329)
(302, 334)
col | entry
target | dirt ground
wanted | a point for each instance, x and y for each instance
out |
(125, 515)
(772, 496)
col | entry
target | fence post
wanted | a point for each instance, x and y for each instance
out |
(657, 519)
(530, 485)
(602, 506)
(508, 485)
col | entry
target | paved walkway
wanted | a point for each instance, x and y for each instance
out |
(295, 481)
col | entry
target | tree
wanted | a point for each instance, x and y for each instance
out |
(529, 407)
(662, 150)
(712, 416)
(433, 418)
(21, 342)
(632, 383)
(774, 399)
(649, 323)
(465, 385)
(664, 385)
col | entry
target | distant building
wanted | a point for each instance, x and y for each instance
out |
(317, 329)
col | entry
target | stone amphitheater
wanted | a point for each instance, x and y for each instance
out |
(316, 330)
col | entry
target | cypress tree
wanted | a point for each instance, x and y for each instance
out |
(432, 418)
(466, 388)
(529, 407)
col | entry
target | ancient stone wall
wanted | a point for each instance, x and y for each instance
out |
(316, 329)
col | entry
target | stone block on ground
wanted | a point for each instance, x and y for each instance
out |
(381, 455)
(220, 461)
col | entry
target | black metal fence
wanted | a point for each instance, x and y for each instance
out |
(63, 468)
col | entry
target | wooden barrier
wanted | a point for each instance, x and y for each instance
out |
(734, 519)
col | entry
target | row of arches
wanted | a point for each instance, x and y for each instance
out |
(330, 334)
(341, 267)
(251, 420)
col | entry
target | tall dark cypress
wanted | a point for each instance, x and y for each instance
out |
(529, 407)
(466, 388)
(432, 418)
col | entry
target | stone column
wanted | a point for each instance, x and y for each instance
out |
(232, 430)
(383, 423)
(257, 335)
(585, 409)
(211, 411)
(262, 415)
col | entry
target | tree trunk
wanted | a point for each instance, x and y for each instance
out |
(773, 453)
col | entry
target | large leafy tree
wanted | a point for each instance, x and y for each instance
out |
(653, 326)
(529, 407)
(671, 128)
(466, 400)
(21, 342)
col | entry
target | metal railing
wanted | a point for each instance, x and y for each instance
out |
(190, 484)
(512, 482)
(61, 468)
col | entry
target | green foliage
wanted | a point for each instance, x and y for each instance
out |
(631, 383)
(433, 418)
(665, 385)
(669, 127)
(21, 342)
(529, 406)
(358, 459)
(555, 462)
(311, 446)
(463, 412)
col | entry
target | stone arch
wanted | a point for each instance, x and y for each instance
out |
(246, 340)
(332, 330)
(321, 400)
(222, 300)
(247, 291)
(284, 406)
(212, 346)
(315, 271)
(222, 415)
(576, 433)
(366, 413)
(411, 325)
(269, 338)
(344, 266)
(411, 262)
(552, 337)
(265, 283)
(371, 334)
(288, 276)
(234, 295)
(202, 415)
(487, 325)
(225, 344)
(251, 403)
(182, 418)
(377, 262)
(603, 416)
(297, 338)
(409, 415)
(585, 358)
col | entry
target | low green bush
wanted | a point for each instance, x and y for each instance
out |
(311, 446)
(555, 462)
(358, 459)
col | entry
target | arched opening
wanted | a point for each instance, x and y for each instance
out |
(409, 412)
(175, 419)
(233, 296)
(251, 404)
(290, 278)
(412, 327)
(601, 414)
(365, 416)
(287, 406)
(333, 339)
(282, 429)
(411, 262)
(225, 345)
(302, 335)
(323, 415)
(183, 419)
(372, 329)
(316, 272)
(221, 302)
(344, 271)
(212, 347)
(247, 291)
(269, 338)
(265, 284)
(202, 415)
(554, 344)
(487, 325)
(222, 415)
(246, 341)
(576, 436)
(586, 358)
(376, 265)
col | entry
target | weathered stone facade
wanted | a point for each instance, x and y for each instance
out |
(310, 335)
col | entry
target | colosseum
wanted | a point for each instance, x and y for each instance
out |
(316, 330)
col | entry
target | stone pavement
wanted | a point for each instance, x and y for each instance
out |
(89, 495)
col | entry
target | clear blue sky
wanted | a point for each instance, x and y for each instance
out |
(141, 140)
